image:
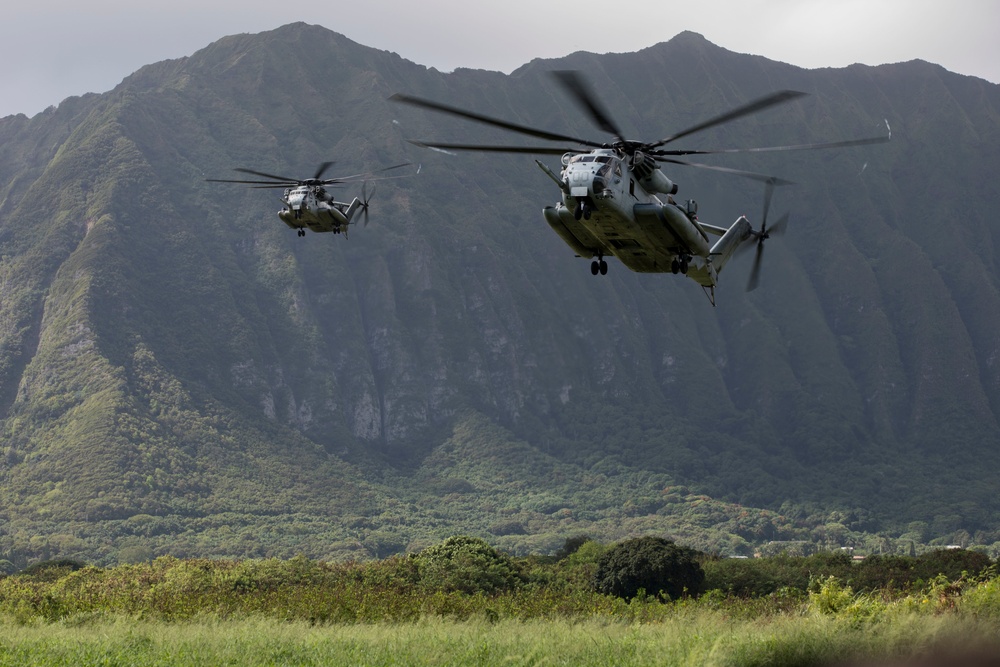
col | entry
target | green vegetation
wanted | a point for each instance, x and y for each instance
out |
(767, 576)
(649, 566)
(466, 564)
(690, 638)
(396, 611)
(686, 638)
(180, 375)
(464, 577)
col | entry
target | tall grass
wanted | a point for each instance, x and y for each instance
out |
(705, 638)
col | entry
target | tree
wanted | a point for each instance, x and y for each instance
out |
(467, 564)
(52, 570)
(653, 564)
(571, 546)
(951, 563)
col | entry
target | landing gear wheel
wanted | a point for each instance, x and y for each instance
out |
(684, 265)
(595, 267)
(675, 267)
(603, 268)
(301, 232)
(578, 211)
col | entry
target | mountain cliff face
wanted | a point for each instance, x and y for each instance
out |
(180, 373)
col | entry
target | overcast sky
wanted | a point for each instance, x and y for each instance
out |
(53, 49)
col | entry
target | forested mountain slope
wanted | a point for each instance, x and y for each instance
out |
(180, 373)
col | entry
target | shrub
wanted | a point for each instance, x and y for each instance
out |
(830, 596)
(468, 565)
(951, 563)
(51, 570)
(880, 572)
(653, 564)
(744, 577)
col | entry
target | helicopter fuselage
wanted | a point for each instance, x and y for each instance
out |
(610, 207)
(311, 207)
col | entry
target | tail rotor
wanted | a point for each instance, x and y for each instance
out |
(365, 199)
(765, 232)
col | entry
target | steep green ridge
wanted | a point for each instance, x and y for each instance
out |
(180, 374)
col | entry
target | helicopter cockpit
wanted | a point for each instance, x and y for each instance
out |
(595, 170)
(296, 197)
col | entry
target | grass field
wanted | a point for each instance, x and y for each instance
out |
(701, 638)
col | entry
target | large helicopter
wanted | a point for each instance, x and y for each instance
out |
(308, 205)
(610, 204)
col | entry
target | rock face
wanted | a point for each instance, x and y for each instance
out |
(169, 348)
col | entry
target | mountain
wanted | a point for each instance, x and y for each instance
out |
(181, 374)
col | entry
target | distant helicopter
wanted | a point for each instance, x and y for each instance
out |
(308, 205)
(609, 205)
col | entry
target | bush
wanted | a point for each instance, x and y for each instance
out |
(468, 565)
(653, 564)
(951, 563)
(51, 570)
(744, 577)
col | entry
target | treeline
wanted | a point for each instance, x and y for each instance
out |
(755, 577)
(465, 577)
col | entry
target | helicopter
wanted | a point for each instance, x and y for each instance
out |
(308, 205)
(611, 191)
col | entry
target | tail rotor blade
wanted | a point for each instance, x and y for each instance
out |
(365, 198)
(755, 271)
(764, 233)
(779, 228)
(768, 193)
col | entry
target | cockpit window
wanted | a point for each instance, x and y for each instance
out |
(591, 158)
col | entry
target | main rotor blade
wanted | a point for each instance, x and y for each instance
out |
(267, 183)
(322, 168)
(530, 131)
(774, 180)
(260, 173)
(753, 107)
(574, 83)
(342, 179)
(542, 150)
(767, 149)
